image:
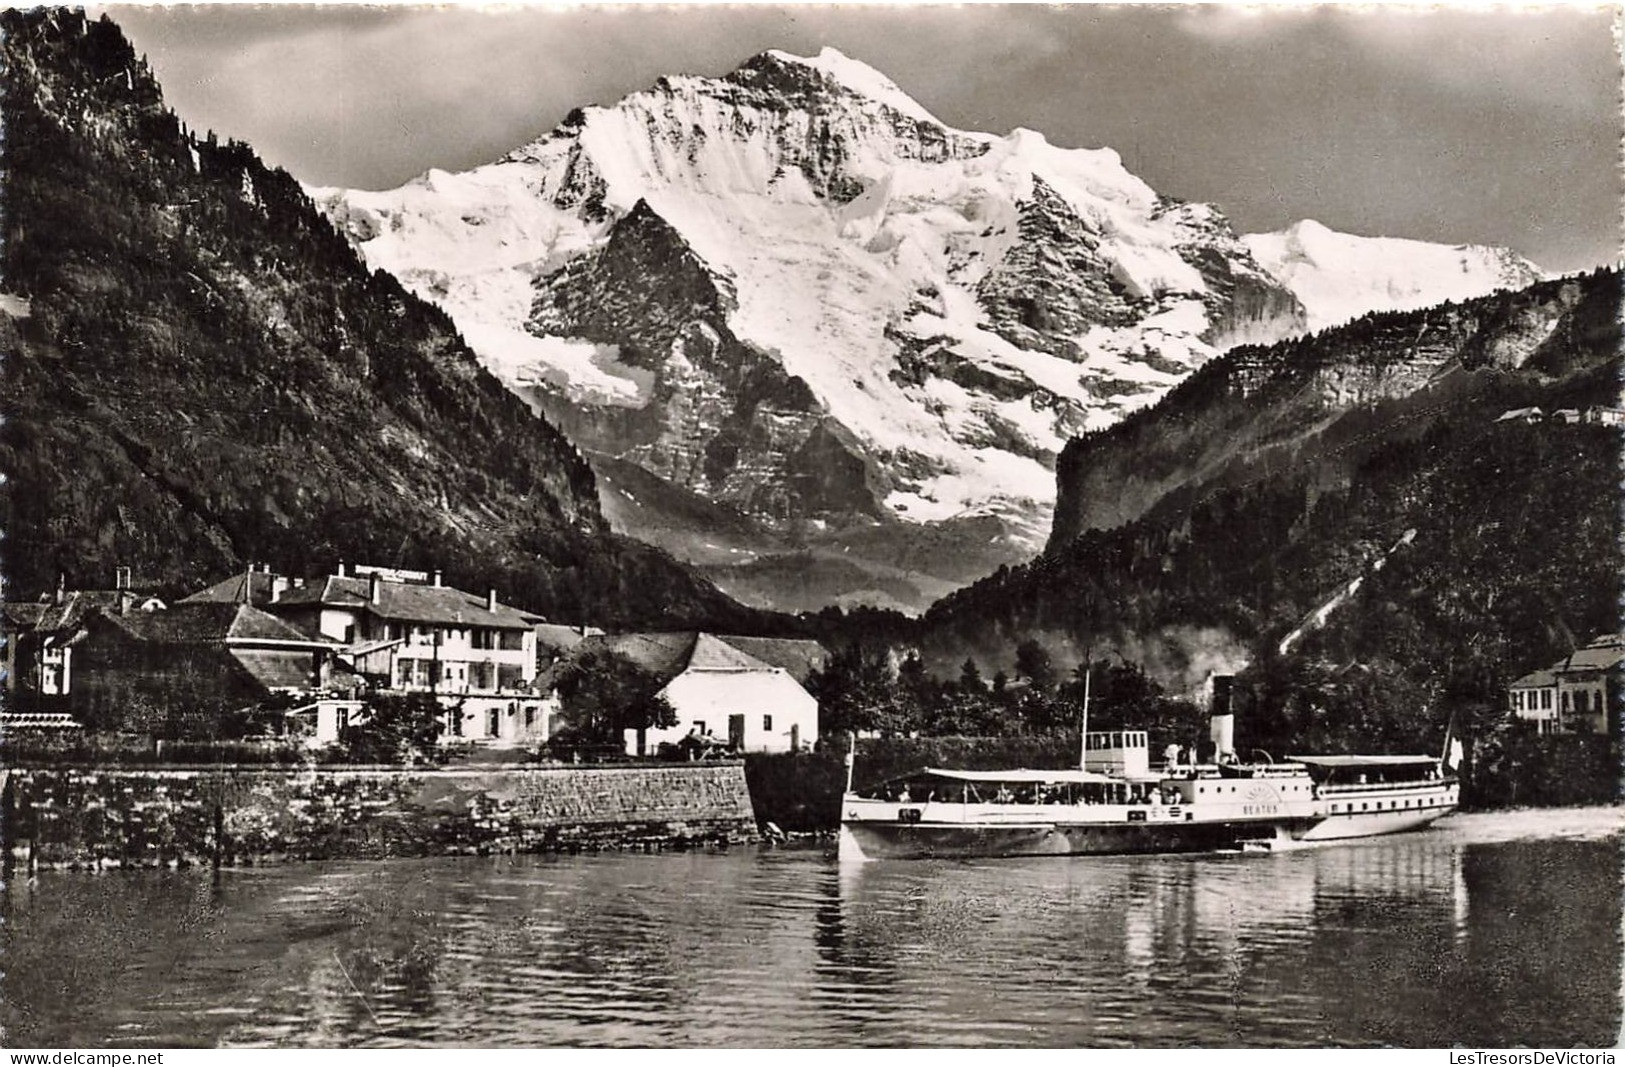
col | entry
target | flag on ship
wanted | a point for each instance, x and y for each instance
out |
(1453, 751)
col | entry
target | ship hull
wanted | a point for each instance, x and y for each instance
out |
(1348, 827)
(891, 840)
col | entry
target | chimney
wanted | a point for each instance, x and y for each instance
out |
(279, 585)
(1221, 717)
(61, 587)
(340, 571)
(125, 599)
(121, 577)
(438, 577)
(491, 600)
(375, 588)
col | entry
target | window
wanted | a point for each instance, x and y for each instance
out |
(767, 722)
(512, 640)
(493, 723)
(403, 672)
(510, 677)
(1546, 699)
(483, 639)
(530, 717)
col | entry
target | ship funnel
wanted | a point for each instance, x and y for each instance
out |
(1221, 722)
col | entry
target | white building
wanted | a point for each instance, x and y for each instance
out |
(1576, 693)
(407, 632)
(1533, 698)
(745, 692)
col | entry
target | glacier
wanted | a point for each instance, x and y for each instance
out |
(954, 304)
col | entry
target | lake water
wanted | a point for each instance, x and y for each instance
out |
(1488, 930)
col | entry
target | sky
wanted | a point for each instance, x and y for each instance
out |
(1459, 125)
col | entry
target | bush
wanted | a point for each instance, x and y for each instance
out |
(396, 729)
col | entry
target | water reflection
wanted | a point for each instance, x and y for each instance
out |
(1427, 939)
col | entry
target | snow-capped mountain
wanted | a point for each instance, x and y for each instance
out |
(794, 293)
(1338, 276)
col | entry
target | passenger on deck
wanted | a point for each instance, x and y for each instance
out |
(1170, 755)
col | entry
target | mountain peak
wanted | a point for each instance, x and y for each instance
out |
(861, 78)
(885, 317)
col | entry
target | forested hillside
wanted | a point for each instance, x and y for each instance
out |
(200, 374)
(1219, 520)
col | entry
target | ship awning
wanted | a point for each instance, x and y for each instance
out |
(1364, 761)
(1074, 777)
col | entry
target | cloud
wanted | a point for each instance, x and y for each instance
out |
(1447, 125)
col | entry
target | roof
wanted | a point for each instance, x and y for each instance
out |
(276, 669)
(249, 587)
(407, 603)
(1600, 655)
(562, 638)
(1535, 680)
(1364, 761)
(78, 605)
(192, 623)
(1070, 776)
(666, 655)
(714, 654)
(797, 657)
(23, 616)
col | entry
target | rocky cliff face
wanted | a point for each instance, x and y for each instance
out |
(715, 279)
(1251, 411)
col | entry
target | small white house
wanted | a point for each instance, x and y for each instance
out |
(744, 692)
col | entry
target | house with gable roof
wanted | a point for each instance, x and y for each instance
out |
(39, 636)
(1580, 693)
(409, 632)
(743, 691)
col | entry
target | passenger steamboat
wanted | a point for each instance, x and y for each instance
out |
(1115, 802)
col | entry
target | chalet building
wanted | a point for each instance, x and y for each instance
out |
(746, 691)
(408, 632)
(40, 636)
(140, 670)
(1580, 693)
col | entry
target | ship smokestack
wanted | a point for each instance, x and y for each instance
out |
(1221, 722)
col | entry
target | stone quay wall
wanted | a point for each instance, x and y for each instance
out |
(89, 817)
